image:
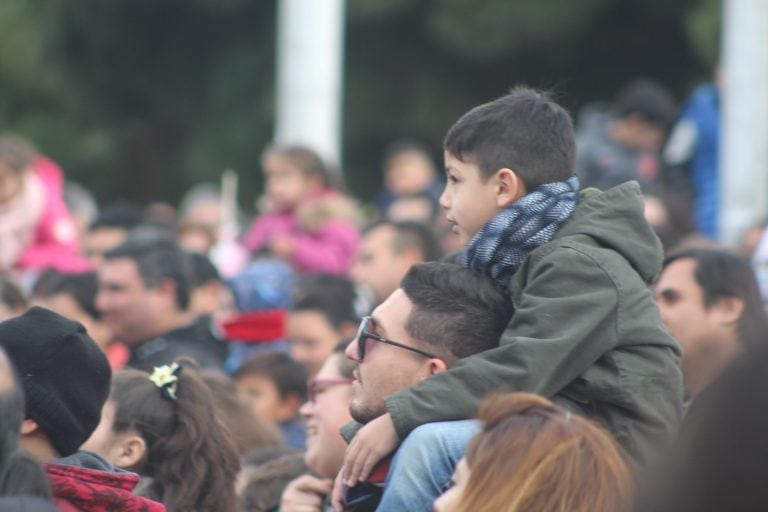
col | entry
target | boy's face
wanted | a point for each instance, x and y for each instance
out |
(262, 395)
(468, 201)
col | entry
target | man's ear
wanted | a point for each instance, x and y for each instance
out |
(729, 309)
(509, 187)
(130, 449)
(435, 365)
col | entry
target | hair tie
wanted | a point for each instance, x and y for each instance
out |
(166, 378)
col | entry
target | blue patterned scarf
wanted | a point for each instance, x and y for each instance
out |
(505, 240)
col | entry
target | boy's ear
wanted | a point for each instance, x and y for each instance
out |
(509, 187)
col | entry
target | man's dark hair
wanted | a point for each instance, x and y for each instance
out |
(525, 131)
(203, 270)
(648, 99)
(457, 311)
(411, 235)
(157, 260)
(332, 296)
(721, 274)
(290, 376)
(121, 214)
(81, 287)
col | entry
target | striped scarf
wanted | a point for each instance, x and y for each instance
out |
(499, 248)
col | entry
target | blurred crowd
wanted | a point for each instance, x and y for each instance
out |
(189, 358)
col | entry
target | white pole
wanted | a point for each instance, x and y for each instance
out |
(309, 74)
(744, 159)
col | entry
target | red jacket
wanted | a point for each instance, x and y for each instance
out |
(83, 489)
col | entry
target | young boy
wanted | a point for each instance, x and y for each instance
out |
(576, 265)
(275, 386)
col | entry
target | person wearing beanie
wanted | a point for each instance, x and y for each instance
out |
(66, 380)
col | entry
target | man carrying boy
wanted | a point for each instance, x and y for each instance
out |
(576, 267)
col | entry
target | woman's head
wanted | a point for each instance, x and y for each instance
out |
(326, 412)
(167, 428)
(534, 455)
(293, 173)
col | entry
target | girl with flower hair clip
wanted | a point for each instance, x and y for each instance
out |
(166, 427)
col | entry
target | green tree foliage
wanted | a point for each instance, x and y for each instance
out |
(143, 98)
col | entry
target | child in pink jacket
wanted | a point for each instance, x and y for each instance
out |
(36, 229)
(307, 221)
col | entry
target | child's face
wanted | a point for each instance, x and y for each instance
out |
(286, 185)
(468, 201)
(10, 183)
(263, 397)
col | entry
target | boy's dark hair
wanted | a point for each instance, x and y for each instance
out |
(191, 457)
(525, 131)
(157, 260)
(82, 287)
(648, 99)
(721, 274)
(290, 377)
(456, 310)
(332, 296)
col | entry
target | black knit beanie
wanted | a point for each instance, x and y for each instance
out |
(64, 374)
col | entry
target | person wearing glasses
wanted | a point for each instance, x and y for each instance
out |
(441, 313)
(326, 411)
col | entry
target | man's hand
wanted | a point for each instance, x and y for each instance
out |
(372, 443)
(305, 494)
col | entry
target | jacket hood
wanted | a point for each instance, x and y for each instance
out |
(615, 220)
(84, 481)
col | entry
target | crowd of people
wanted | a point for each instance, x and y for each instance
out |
(548, 327)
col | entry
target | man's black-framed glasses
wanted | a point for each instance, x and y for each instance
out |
(364, 334)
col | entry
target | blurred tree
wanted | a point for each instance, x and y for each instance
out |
(141, 99)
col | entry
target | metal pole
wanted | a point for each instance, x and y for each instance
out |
(744, 159)
(309, 74)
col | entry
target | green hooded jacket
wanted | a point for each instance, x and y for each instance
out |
(585, 332)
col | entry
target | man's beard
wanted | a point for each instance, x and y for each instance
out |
(363, 412)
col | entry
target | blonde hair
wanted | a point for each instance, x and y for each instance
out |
(533, 456)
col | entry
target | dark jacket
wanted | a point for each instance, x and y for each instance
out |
(84, 482)
(198, 341)
(586, 332)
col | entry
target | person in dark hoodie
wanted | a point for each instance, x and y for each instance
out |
(144, 297)
(66, 381)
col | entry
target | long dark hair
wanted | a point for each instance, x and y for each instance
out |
(191, 457)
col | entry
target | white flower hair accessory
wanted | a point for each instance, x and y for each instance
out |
(166, 378)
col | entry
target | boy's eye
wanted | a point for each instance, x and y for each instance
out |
(453, 179)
